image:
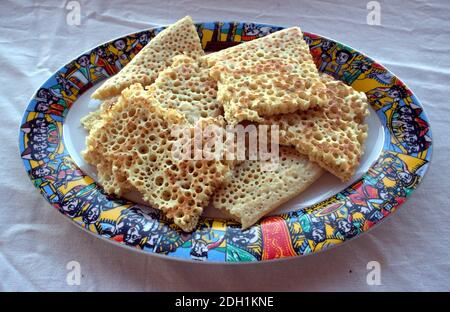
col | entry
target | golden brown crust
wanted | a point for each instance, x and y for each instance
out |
(187, 87)
(333, 135)
(271, 75)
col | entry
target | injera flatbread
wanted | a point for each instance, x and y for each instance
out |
(187, 87)
(270, 75)
(253, 193)
(332, 135)
(179, 38)
(136, 137)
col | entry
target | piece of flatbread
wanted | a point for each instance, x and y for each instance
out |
(332, 135)
(93, 118)
(137, 138)
(112, 179)
(253, 192)
(178, 38)
(271, 75)
(184, 86)
(108, 173)
(187, 87)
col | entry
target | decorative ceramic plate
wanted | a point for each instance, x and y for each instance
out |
(398, 152)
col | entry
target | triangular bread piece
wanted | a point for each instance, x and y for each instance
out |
(271, 75)
(332, 135)
(178, 38)
(253, 192)
(137, 137)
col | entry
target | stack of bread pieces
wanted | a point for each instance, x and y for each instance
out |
(171, 83)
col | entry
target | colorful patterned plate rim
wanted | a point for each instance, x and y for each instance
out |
(400, 167)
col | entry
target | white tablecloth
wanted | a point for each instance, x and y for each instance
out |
(36, 242)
